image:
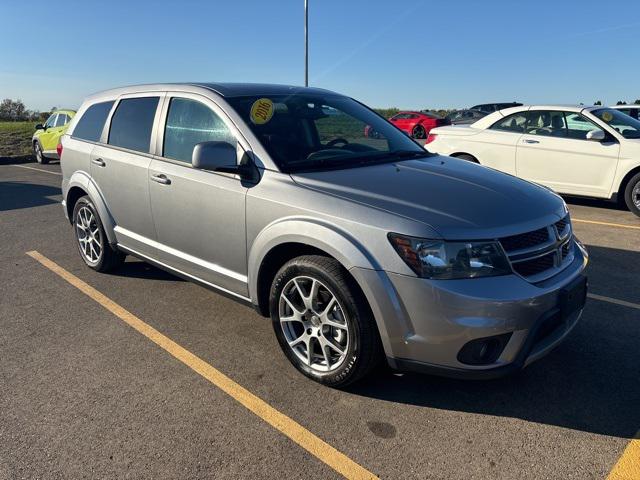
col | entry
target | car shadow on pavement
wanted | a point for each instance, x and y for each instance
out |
(590, 383)
(17, 195)
(596, 203)
(135, 268)
(17, 159)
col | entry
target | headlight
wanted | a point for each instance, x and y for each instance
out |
(442, 260)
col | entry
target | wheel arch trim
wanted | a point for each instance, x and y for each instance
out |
(83, 181)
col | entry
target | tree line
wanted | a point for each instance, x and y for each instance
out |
(15, 111)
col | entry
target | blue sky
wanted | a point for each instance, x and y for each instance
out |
(403, 53)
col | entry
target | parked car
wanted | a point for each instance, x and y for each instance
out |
(494, 107)
(416, 124)
(45, 140)
(632, 110)
(358, 249)
(465, 117)
(586, 151)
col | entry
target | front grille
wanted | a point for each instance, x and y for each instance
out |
(525, 240)
(528, 268)
(541, 253)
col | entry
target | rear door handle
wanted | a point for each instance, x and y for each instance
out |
(161, 178)
(99, 162)
(527, 140)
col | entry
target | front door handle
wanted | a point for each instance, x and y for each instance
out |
(527, 140)
(161, 178)
(99, 162)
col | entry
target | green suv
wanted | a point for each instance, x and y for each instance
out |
(45, 140)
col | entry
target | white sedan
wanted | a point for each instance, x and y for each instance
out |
(586, 151)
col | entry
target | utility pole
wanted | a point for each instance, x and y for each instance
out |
(306, 43)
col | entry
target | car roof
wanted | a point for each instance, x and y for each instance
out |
(226, 90)
(629, 105)
(63, 110)
(490, 119)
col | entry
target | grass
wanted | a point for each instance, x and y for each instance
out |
(15, 138)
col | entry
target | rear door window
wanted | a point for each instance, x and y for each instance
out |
(62, 120)
(132, 123)
(190, 122)
(90, 125)
(513, 123)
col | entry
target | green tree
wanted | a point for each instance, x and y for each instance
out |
(598, 102)
(621, 102)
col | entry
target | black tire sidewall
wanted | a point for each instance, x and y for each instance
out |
(38, 148)
(347, 370)
(627, 194)
(86, 202)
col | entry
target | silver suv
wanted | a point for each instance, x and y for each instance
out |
(356, 248)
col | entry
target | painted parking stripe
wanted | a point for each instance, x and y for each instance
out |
(594, 222)
(290, 428)
(623, 303)
(628, 465)
(38, 170)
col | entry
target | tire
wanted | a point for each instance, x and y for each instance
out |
(467, 157)
(632, 194)
(37, 152)
(419, 132)
(344, 340)
(91, 240)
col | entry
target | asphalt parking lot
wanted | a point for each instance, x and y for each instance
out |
(85, 395)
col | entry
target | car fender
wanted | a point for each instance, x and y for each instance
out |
(82, 180)
(310, 231)
(347, 250)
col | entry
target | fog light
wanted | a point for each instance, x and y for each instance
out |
(483, 351)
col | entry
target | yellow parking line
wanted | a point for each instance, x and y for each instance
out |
(628, 465)
(619, 225)
(296, 432)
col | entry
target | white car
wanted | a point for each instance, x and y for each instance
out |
(574, 150)
(633, 110)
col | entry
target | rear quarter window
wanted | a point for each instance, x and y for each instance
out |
(132, 123)
(90, 125)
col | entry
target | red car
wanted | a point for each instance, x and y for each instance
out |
(416, 124)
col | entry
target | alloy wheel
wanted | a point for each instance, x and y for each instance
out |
(38, 151)
(418, 132)
(314, 323)
(635, 195)
(88, 235)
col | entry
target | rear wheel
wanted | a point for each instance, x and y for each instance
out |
(322, 321)
(37, 152)
(632, 194)
(419, 132)
(91, 239)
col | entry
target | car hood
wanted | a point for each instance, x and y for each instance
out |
(456, 198)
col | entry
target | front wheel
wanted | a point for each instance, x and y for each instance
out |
(37, 152)
(322, 321)
(632, 194)
(91, 239)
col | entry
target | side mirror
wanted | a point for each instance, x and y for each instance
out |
(39, 127)
(217, 157)
(595, 135)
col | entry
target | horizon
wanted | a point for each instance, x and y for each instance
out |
(418, 55)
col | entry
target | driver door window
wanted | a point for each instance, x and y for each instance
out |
(190, 122)
(579, 126)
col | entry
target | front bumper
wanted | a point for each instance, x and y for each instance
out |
(424, 324)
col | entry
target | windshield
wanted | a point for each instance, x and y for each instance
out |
(305, 132)
(625, 125)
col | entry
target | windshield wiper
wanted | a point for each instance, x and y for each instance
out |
(347, 161)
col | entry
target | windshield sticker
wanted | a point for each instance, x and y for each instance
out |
(261, 111)
(607, 116)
